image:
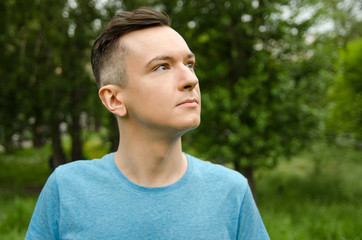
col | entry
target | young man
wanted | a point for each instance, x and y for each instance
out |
(148, 188)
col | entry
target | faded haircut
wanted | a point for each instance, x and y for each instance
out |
(108, 53)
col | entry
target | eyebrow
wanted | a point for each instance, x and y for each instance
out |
(166, 58)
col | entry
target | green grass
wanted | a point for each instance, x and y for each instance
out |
(24, 168)
(22, 174)
(316, 195)
(15, 214)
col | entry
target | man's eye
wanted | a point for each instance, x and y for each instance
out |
(161, 67)
(190, 65)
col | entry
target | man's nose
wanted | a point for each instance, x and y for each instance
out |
(187, 78)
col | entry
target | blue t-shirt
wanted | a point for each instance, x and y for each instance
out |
(94, 200)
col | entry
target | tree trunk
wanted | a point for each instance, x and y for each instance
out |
(76, 128)
(76, 131)
(58, 156)
(37, 135)
(237, 165)
(248, 172)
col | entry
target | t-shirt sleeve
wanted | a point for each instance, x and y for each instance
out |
(45, 220)
(251, 225)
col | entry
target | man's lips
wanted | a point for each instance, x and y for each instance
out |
(192, 102)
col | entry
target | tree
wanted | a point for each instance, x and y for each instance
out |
(257, 76)
(346, 93)
(47, 50)
(338, 24)
(74, 61)
(256, 93)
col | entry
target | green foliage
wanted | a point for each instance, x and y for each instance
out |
(96, 146)
(258, 83)
(44, 72)
(263, 84)
(346, 93)
(351, 58)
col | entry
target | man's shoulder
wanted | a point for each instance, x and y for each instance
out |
(217, 173)
(85, 166)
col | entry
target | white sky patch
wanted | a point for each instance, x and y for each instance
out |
(100, 4)
(191, 24)
(322, 27)
(72, 4)
(255, 4)
(246, 18)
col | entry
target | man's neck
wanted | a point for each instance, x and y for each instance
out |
(150, 160)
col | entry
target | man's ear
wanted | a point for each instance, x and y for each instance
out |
(111, 96)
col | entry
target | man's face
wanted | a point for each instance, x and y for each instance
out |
(162, 91)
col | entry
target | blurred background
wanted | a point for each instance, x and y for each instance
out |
(281, 89)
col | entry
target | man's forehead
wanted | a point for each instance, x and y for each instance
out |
(153, 37)
(156, 42)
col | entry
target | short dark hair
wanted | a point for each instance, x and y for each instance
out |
(108, 54)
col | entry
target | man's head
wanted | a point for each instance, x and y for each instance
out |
(108, 53)
(146, 77)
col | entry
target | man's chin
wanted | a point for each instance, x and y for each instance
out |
(189, 127)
